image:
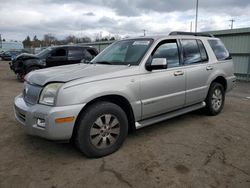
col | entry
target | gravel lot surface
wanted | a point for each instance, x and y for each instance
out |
(193, 150)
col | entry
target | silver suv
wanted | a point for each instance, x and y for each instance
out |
(131, 84)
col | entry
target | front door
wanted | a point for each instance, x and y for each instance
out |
(57, 57)
(164, 90)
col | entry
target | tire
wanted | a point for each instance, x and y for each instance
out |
(101, 129)
(20, 77)
(215, 99)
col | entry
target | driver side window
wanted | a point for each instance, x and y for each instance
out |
(168, 50)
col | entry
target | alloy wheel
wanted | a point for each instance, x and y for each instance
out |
(105, 131)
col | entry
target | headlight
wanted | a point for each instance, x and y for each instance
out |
(49, 93)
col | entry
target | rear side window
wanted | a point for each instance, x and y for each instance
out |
(92, 52)
(219, 49)
(88, 55)
(75, 52)
(203, 52)
(191, 52)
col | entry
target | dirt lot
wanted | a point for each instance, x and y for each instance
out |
(193, 150)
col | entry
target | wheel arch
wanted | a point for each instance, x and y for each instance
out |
(119, 100)
(222, 80)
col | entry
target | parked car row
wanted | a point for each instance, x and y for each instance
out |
(131, 84)
(11, 54)
(50, 57)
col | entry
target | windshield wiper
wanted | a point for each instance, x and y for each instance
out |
(103, 62)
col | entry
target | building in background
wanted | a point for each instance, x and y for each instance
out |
(10, 45)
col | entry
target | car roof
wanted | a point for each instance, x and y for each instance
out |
(67, 46)
(160, 37)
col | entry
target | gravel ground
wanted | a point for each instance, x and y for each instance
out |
(193, 150)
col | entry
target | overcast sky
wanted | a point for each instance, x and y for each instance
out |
(19, 18)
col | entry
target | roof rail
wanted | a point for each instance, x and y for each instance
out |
(191, 33)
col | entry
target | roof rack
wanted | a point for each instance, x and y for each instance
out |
(191, 33)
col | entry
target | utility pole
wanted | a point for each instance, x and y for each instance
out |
(196, 15)
(144, 32)
(0, 41)
(191, 26)
(232, 23)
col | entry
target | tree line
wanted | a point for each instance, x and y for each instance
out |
(49, 40)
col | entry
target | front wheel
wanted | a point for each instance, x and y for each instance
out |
(101, 130)
(215, 99)
(20, 76)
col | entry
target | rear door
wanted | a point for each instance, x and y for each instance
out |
(196, 63)
(164, 90)
(75, 54)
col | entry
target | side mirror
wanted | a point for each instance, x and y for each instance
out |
(157, 63)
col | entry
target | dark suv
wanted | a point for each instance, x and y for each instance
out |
(50, 57)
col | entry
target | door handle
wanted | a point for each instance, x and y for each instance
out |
(178, 73)
(209, 67)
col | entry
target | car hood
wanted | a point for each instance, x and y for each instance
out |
(25, 56)
(73, 72)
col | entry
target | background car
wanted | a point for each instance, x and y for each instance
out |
(11, 54)
(50, 57)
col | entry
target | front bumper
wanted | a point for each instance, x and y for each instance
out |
(28, 116)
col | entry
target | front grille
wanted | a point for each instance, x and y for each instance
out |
(20, 116)
(31, 93)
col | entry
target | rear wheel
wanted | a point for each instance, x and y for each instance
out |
(101, 130)
(215, 99)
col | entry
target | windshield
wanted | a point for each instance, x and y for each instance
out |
(125, 52)
(44, 52)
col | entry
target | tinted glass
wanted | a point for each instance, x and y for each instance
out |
(59, 52)
(75, 52)
(124, 52)
(92, 52)
(203, 52)
(191, 52)
(169, 51)
(88, 55)
(219, 49)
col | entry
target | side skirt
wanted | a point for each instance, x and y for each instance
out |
(163, 117)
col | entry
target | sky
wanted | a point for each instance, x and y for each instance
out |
(19, 18)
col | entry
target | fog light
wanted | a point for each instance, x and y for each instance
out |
(41, 123)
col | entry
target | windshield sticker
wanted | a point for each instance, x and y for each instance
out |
(141, 42)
